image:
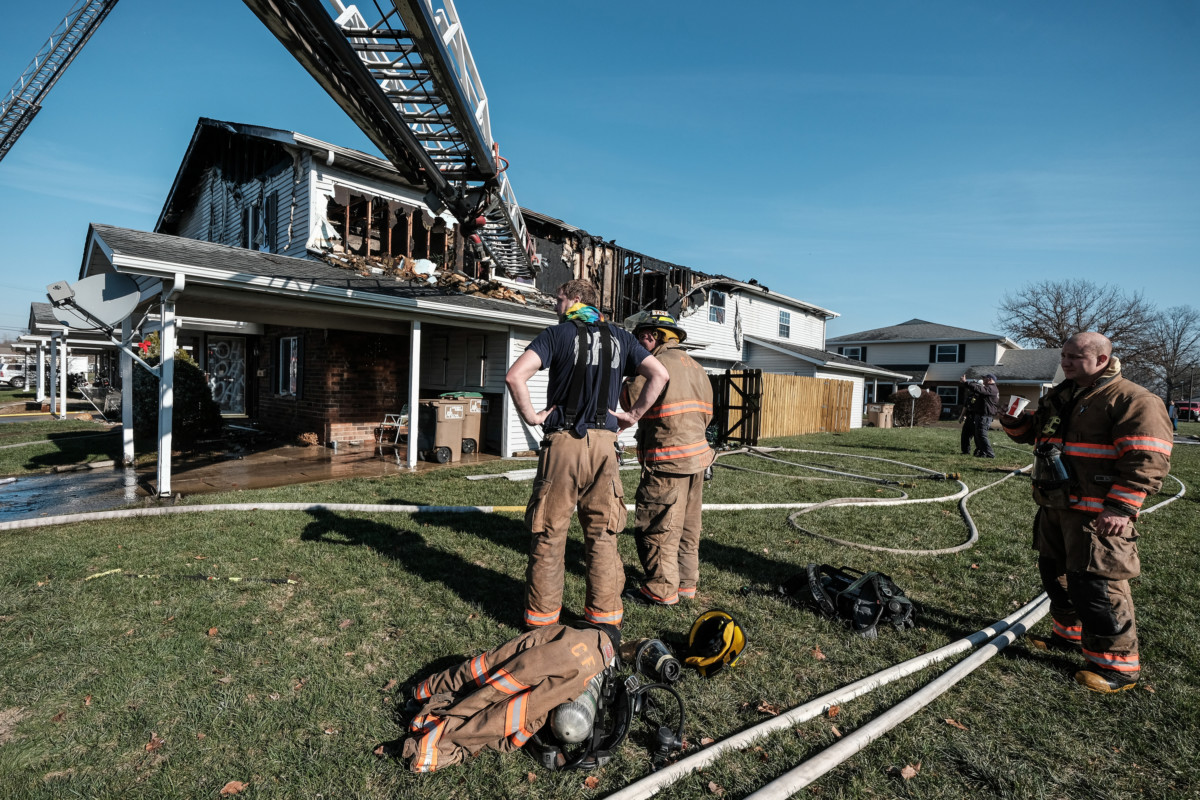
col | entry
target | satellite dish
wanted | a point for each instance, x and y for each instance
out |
(914, 391)
(98, 301)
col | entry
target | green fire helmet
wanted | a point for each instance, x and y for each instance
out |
(715, 641)
(654, 319)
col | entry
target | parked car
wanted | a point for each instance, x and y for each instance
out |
(1188, 410)
(13, 375)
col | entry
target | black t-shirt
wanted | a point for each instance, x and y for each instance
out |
(557, 347)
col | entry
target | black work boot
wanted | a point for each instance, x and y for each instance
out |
(1105, 681)
(1053, 644)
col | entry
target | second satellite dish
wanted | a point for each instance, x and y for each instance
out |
(97, 301)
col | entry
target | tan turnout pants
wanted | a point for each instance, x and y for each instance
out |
(575, 470)
(668, 534)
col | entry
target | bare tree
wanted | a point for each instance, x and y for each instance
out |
(1047, 313)
(1172, 348)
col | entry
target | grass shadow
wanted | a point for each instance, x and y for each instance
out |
(477, 585)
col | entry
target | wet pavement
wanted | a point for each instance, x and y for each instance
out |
(241, 466)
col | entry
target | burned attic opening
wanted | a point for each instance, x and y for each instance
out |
(385, 229)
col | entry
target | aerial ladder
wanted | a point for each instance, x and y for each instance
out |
(408, 80)
(24, 100)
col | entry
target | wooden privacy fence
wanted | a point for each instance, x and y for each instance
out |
(794, 404)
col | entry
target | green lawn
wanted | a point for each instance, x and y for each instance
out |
(167, 686)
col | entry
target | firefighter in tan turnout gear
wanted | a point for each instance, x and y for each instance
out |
(674, 453)
(499, 699)
(1102, 446)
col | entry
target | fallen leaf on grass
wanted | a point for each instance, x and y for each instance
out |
(232, 788)
(714, 788)
(299, 684)
(531, 777)
(955, 724)
(155, 743)
(201, 736)
(591, 782)
(768, 708)
(833, 711)
(471, 617)
(1148, 688)
(87, 701)
(58, 717)
(346, 623)
(212, 631)
(817, 654)
(387, 687)
(331, 731)
(907, 773)
(129, 632)
(42, 583)
(228, 679)
(199, 558)
(273, 695)
(380, 751)
(168, 619)
(705, 741)
(835, 730)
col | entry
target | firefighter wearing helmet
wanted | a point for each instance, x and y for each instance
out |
(673, 450)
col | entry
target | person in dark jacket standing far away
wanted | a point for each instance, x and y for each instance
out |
(981, 403)
(1102, 446)
(577, 464)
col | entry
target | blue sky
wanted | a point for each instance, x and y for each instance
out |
(886, 160)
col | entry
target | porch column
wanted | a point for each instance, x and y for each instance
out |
(414, 380)
(41, 373)
(166, 393)
(126, 393)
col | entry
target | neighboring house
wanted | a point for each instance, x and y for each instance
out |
(936, 356)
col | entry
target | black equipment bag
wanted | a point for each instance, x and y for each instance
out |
(863, 599)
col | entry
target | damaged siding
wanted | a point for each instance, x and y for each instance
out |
(400, 224)
(277, 200)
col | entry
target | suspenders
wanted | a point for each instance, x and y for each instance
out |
(575, 392)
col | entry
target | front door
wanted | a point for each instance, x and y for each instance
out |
(226, 368)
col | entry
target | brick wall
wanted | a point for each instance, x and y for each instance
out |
(349, 381)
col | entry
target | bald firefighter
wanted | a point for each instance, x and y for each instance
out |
(674, 453)
(1102, 446)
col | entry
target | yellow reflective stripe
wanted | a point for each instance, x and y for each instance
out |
(1127, 443)
(677, 451)
(1114, 661)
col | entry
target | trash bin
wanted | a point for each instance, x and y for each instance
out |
(879, 415)
(475, 407)
(439, 435)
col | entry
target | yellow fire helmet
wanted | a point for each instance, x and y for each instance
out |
(654, 319)
(715, 641)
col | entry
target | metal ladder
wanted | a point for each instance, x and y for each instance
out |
(409, 82)
(24, 100)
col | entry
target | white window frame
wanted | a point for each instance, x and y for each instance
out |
(854, 353)
(942, 350)
(785, 324)
(716, 307)
(949, 395)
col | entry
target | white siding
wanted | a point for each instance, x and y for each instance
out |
(768, 360)
(216, 216)
(521, 436)
(759, 317)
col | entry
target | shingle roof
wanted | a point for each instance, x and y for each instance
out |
(914, 330)
(825, 357)
(287, 270)
(1023, 365)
